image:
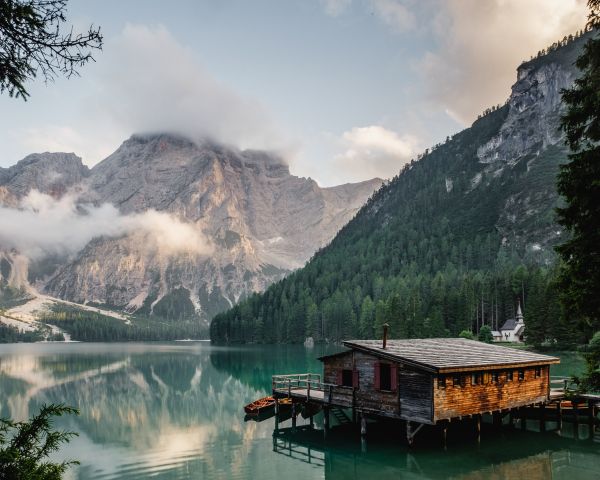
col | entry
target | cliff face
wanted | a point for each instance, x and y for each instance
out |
(259, 222)
(525, 153)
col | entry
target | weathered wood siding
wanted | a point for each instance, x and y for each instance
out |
(416, 402)
(339, 395)
(333, 365)
(369, 398)
(410, 400)
(455, 401)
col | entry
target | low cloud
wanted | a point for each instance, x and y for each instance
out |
(374, 151)
(482, 42)
(43, 225)
(146, 81)
(154, 83)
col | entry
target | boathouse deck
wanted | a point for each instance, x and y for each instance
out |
(308, 387)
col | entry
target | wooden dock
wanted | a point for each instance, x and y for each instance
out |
(561, 406)
(308, 387)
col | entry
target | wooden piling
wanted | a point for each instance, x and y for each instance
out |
(363, 425)
(559, 415)
(293, 417)
(497, 419)
(543, 417)
(444, 427)
(576, 419)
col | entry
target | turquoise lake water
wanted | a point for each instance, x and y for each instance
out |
(174, 411)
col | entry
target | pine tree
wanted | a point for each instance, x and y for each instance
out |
(579, 184)
(26, 446)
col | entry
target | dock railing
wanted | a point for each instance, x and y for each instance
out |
(560, 384)
(310, 387)
(299, 381)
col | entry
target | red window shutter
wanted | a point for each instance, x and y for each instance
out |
(394, 374)
(355, 378)
(377, 382)
(339, 377)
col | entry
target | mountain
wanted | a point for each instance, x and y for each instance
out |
(449, 244)
(239, 220)
(50, 173)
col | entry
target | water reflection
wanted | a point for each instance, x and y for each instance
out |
(174, 411)
(510, 455)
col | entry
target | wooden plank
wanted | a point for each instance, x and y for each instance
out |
(415, 395)
(455, 401)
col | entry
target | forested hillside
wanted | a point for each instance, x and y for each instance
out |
(451, 243)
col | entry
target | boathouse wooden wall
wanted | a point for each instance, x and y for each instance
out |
(455, 400)
(411, 396)
(416, 395)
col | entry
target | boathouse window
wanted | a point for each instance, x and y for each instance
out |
(386, 377)
(458, 380)
(509, 376)
(346, 378)
(476, 378)
(442, 381)
(538, 372)
(521, 374)
(494, 377)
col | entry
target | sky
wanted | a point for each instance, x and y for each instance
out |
(343, 90)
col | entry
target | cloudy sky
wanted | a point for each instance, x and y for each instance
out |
(345, 90)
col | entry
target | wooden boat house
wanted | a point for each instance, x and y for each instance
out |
(427, 381)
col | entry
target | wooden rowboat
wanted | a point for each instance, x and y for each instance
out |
(285, 404)
(262, 405)
(266, 405)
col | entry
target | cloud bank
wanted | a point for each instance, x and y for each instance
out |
(146, 81)
(480, 44)
(43, 225)
(156, 84)
(374, 151)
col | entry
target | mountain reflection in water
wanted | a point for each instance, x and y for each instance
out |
(174, 411)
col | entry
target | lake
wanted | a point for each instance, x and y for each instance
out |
(174, 411)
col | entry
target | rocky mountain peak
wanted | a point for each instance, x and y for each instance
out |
(259, 221)
(51, 173)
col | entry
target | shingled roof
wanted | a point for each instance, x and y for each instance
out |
(450, 354)
(510, 324)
